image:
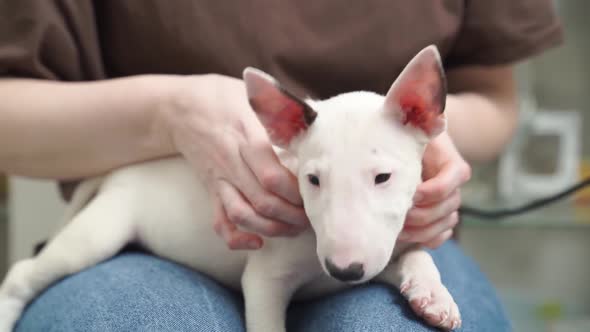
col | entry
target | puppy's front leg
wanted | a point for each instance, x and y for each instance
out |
(416, 276)
(267, 292)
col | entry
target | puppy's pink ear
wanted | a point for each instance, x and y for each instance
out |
(417, 97)
(284, 115)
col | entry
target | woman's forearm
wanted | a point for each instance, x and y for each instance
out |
(68, 130)
(480, 128)
(482, 111)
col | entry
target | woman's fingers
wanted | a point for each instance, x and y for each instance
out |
(234, 238)
(421, 216)
(240, 212)
(437, 200)
(271, 174)
(261, 195)
(426, 233)
(270, 206)
(449, 179)
(438, 240)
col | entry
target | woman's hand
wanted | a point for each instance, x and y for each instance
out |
(213, 126)
(437, 200)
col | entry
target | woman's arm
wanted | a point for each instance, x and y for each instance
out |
(72, 130)
(482, 110)
(63, 130)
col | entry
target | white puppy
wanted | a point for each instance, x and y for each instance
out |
(357, 157)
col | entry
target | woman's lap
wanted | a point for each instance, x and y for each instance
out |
(134, 292)
(137, 292)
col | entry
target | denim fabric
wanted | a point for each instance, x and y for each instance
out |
(137, 292)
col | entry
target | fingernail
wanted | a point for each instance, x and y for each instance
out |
(302, 222)
(418, 197)
(253, 244)
(403, 236)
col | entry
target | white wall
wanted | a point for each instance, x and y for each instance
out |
(34, 212)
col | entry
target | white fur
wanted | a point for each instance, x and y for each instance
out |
(164, 207)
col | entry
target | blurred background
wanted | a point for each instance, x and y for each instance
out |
(538, 261)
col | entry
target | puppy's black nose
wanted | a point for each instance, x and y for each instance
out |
(353, 272)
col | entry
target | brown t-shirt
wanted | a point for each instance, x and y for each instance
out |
(316, 48)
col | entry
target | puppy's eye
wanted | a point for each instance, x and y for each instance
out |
(313, 180)
(381, 178)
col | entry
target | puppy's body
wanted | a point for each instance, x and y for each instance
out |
(364, 154)
(174, 221)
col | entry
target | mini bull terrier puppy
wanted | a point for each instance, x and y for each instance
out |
(358, 159)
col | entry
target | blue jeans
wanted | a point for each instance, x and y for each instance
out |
(137, 292)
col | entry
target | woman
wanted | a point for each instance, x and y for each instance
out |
(93, 85)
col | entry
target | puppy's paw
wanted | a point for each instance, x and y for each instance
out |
(431, 300)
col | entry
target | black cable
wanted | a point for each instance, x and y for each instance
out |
(502, 213)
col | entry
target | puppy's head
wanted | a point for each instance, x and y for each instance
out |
(359, 159)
